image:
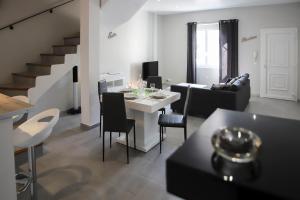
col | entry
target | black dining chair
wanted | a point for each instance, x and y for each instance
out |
(115, 119)
(173, 120)
(102, 87)
(157, 80)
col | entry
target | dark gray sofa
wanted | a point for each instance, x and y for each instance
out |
(204, 101)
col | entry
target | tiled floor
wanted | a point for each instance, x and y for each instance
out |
(72, 168)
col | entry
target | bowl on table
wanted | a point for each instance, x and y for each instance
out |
(158, 95)
(236, 144)
(130, 96)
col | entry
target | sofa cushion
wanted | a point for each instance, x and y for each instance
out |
(244, 78)
(220, 86)
(228, 80)
(236, 85)
(232, 81)
(232, 84)
(246, 75)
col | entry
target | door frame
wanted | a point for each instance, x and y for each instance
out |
(263, 63)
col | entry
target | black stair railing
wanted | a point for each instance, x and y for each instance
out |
(49, 10)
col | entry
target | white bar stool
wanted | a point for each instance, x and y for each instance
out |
(31, 133)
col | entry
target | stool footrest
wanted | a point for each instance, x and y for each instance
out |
(23, 181)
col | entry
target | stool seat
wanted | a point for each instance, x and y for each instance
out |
(29, 134)
(35, 130)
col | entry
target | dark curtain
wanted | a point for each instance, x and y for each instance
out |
(191, 53)
(228, 49)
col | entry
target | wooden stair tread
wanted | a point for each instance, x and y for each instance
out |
(28, 74)
(38, 64)
(51, 54)
(71, 37)
(65, 45)
(13, 86)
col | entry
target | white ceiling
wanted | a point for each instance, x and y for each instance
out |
(176, 6)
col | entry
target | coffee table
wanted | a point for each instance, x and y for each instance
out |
(192, 173)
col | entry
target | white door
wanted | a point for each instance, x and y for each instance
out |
(279, 63)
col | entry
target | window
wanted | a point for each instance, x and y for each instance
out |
(208, 53)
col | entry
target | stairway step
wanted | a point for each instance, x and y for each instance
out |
(29, 74)
(14, 89)
(74, 40)
(38, 64)
(52, 59)
(13, 86)
(39, 68)
(72, 37)
(52, 54)
(26, 78)
(64, 49)
(64, 45)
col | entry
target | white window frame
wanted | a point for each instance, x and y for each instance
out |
(206, 27)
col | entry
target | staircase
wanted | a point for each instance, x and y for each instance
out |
(41, 76)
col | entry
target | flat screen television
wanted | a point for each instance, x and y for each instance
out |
(150, 69)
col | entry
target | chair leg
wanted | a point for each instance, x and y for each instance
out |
(160, 130)
(127, 148)
(103, 144)
(100, 126)
(119, 134)
(32, 169)
(185, 134)
(134, 140)
(162, 135)
(109, 139)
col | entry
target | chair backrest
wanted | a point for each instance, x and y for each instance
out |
(37, 129)
(157, 80)
(114, 112)
(187, 101)
(102, 87)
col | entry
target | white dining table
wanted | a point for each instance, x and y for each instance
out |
(145, 112)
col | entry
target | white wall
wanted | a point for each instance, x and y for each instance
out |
(37, 35)
(60, 96)
(132, 46)
(172, 45)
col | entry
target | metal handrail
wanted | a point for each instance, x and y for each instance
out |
(11, 26)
